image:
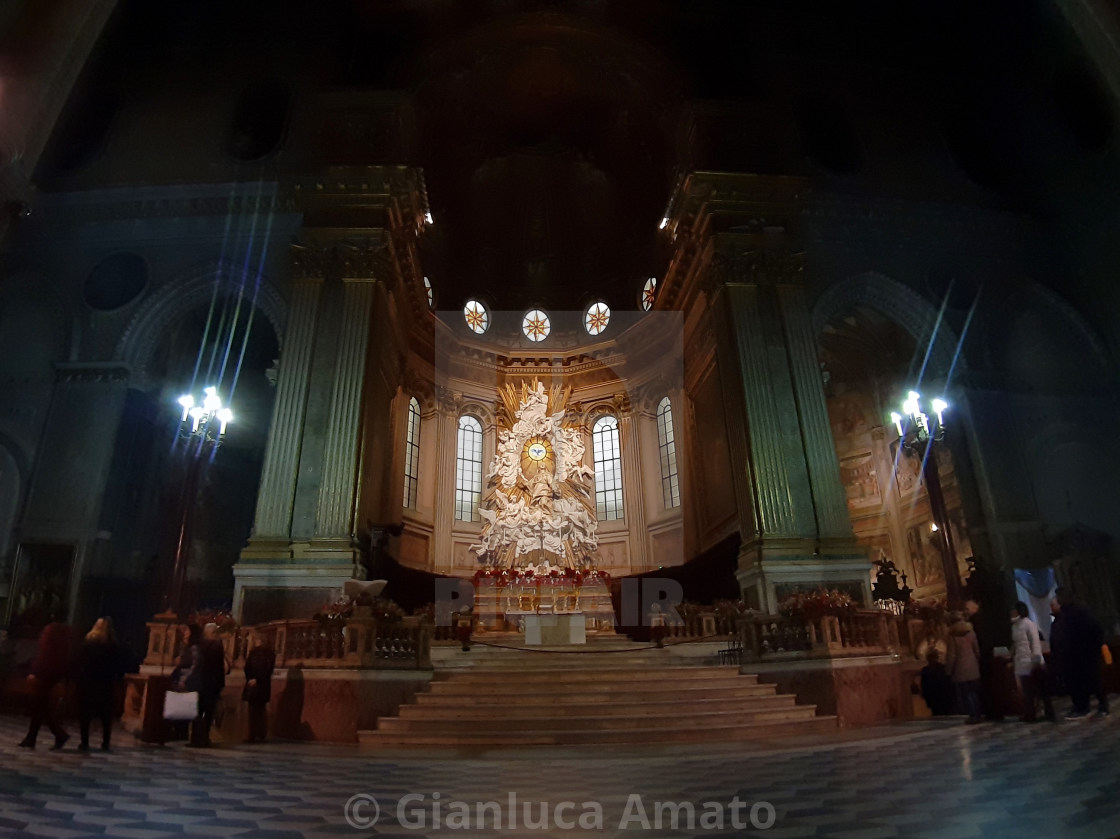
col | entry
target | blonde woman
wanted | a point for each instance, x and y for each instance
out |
(98, 670)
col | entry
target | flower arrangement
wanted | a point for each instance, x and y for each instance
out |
(225, 621)
(820, 601)
(344, 608)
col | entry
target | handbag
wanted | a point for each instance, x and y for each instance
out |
(180, 705)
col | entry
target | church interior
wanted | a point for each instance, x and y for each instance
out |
(582, 325)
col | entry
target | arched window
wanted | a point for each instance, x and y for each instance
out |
(412, 454)
(608, 469)
(667, 445)
(468, 469)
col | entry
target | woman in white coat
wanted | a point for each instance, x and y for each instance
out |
(1026, 658)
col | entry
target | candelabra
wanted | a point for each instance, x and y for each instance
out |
(919, 433)
(201, 430)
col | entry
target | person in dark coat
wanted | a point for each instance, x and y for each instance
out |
(937, 687)
(208, 677)
(98, 671)
(259, 666)
(49, 668)
(1075, 645)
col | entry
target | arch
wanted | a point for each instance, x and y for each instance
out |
(1074, 472)
(1043, 342)
(411, 454)
(903, 305)
(178, 296)
(667, 453)
(468, 468)
(606, 451)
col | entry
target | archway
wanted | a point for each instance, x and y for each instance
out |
(869, 361)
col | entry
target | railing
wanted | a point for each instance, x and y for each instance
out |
(363, 643)
(780, 637)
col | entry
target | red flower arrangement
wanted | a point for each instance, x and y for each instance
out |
(821, 601)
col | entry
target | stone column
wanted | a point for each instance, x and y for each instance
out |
(335, 517)
(281, 460)
(633, 493)
(801, 533)
(446, 422)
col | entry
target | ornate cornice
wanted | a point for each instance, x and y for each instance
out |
(96, 372)
(743, 262)
(364, 260)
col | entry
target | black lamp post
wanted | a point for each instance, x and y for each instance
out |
(201, 428)
(918, 432)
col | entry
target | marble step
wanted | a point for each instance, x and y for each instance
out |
(667, 692)
(490, 691)
(660, 735)
(570, 676)
(498, 724)
(631, 706)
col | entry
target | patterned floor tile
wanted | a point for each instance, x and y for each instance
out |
(905, 781)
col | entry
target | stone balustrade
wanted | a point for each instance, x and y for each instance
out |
(782, 637)
(357, 642)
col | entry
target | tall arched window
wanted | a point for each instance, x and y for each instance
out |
(608, 469)
(667, 445)
(412, 454)
(468, 469)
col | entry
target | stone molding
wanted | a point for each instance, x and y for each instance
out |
(178, 295)
(91, 372)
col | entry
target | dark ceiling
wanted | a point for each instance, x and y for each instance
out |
(551, 133)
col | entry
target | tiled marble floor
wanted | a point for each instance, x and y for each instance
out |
(916, 780)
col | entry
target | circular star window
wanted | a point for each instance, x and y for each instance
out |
(596, 318)
(536, 325)
(649, 292)
(476, 316)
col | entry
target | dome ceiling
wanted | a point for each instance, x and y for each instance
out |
(549, 159)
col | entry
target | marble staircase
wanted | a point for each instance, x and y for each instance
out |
(557, 698)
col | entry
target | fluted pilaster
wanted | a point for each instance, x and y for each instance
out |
(281, 461)
(781, 482)
(829, 498)
(335, 513)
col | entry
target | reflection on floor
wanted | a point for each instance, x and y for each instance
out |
(942, 780)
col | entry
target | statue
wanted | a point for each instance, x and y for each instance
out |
(539, 496)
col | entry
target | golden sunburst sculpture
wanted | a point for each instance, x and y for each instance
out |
(538, 503)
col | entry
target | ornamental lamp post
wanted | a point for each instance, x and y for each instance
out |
(918, 433)
(202, 427)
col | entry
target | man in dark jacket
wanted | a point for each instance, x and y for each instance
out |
(208, 677)
(259, 666)
(48, 669)
(1075, 646)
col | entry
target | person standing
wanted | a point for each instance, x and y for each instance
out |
(1026, 659)
(975, 616)
(965, 667)
(1076, 645)
(208, 677)
(259, 666)
(49, 668)
(98, 669)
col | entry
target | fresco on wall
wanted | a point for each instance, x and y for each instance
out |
(861, 484)
(848, 417)
(925, 558)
